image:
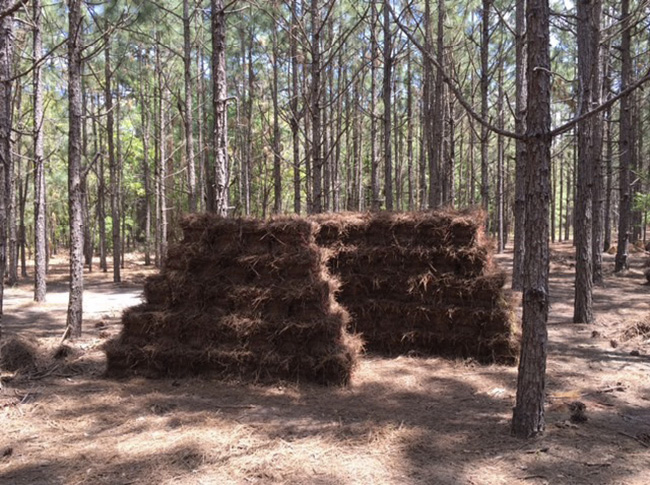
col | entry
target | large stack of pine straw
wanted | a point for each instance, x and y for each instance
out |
(421, 282)
(240, 298)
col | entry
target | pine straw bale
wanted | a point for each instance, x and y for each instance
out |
(20, 355)
(428, 228)
(422, 282)
(240, 298)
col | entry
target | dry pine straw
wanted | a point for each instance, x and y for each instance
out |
(250, 275)
(401, 421)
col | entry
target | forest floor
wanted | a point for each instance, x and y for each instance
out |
(405, 420)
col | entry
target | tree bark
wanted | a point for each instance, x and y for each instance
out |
(6, 59)
(277, 160)
(598, 205)
(40, 234)
(609, 155)
(161, 166)
(626, 145)
(409, 130)
(588, 150)
(101, 192)
(189, 115)
(387, 98)
(500, 164)
(75, 304)
(485, 80)
(219, 105)
(146, 176)
(295, 116)
(315, 101)
(112, 160)
(520, 146)
(375, 203)
(528, 414)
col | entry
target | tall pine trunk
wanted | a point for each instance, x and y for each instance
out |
(188, 124)
(112, 161)
(295, 117)
(6, 59)
(626, 145)
(75, 115)
(387, 98)
(528, 414)
(219, 105)
(485, 80)
(40, 234)
(588, 151)
(520, 147)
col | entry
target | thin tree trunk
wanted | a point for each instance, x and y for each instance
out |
(561, 197)
(277, 160)
(520, 146)
(599, 180)
(189, 115)
(609, 155)
(205, 186)
(626, 145)
(101, 194)
(295, 117)
(112, 161)
(315, 99)
(22, 232)
(219, 102)
(500, 160)
(409, 130)
(437, 118)
(375, 203)
(12, 233)
(387, 98)
(75, 304)
(146, 176)
(485, 39)
(6, 59)
(588, 149)
(40, 232)
(88, 242)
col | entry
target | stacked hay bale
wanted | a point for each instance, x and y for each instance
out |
(239, 298)
(422, 282)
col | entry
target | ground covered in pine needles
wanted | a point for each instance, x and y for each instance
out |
(404, 420)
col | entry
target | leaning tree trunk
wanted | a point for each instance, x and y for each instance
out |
(528, 414)
(219, 101)
(75, 305)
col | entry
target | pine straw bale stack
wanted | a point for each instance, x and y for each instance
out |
(422, 282)
(240, 298)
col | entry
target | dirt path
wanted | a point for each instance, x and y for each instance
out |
(402, 421)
